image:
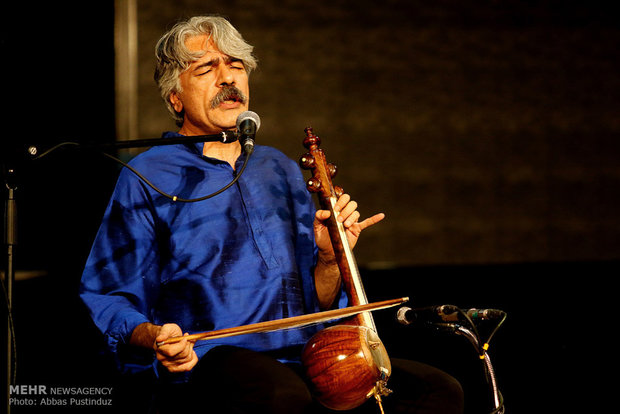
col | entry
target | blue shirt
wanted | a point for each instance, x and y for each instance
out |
(244, 256)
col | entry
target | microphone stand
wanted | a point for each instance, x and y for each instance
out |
(33, 152)
(461, 330)
(10, 240)
(473, 338)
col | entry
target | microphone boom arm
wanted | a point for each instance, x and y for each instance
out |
(226, 137)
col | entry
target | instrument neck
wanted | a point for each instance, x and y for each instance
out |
(349, 271)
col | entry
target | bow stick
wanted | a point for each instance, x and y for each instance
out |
(287, 323)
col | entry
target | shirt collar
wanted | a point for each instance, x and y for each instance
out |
(197, 147)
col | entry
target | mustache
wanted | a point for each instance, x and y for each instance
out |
(229, 92)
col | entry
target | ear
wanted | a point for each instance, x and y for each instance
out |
(176, 102)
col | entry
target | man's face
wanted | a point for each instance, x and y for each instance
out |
(214, 92)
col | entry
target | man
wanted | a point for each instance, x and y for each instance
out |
(258, 251)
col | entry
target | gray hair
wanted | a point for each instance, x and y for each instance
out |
(173, 57)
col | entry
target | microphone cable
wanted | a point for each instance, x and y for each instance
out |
(496, 328)
(149, 183)
(12, 368)
(177, 198)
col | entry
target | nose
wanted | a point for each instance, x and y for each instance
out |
(226, 76)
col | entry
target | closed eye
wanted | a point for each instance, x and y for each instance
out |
(205, 67)
(236, 64)
(208, 66)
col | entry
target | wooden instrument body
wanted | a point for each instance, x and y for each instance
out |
(347, 363)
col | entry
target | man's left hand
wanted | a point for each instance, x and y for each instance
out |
(347, 214)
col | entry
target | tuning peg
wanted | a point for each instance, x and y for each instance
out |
(307, 161)
(332, 169)
(313, 185)
(311, 139)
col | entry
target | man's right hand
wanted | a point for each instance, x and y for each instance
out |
(176, 357)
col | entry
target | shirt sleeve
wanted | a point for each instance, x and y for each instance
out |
(306, 249)
(121, 274)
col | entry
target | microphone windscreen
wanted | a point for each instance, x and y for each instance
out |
(248, 115)
(402, 315)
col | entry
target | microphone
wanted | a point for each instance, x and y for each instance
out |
(248, 123)
(485, 314)
(443, 313)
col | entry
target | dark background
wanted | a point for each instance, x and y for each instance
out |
(486, 130)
